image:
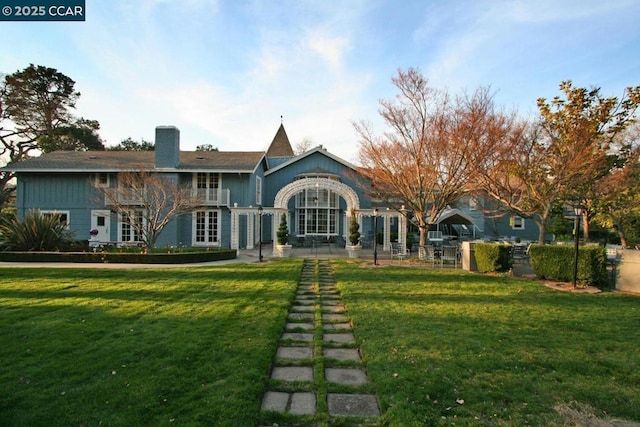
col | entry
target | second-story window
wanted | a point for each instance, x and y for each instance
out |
(207, 185)
(258, 191)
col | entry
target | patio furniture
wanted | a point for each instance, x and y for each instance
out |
(520, 252)
(427, 253)
(449, 253)
(399, 252)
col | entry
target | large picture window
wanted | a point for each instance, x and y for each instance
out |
(317, 212)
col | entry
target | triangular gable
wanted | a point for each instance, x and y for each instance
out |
(318, 149)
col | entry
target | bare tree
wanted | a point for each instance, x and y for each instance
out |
(422, 161)
(147, 202)
(303, 146)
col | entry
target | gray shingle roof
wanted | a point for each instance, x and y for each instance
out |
(85, 161)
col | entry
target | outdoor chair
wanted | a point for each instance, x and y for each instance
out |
(520, 252)
(449, 253)
(399, 252)
(427, 253)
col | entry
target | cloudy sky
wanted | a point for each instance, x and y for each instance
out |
(225, 71)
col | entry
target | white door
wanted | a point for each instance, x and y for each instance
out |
(101, 221)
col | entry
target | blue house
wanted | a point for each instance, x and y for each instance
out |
(242, 192)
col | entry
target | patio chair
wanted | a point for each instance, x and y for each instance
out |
(449, 253)
(520, 252)
(399, 252)
(427, 253)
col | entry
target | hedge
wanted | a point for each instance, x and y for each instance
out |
(120, 257)
(555, 262)
(493, 257)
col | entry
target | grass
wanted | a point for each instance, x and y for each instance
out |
(188, 346)
(450, 347)
(194, 346)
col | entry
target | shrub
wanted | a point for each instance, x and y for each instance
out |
(354, 233)
(555, 262)
(37, 232)
(283, 232)
(493, 257)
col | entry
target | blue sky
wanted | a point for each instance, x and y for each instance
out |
(224, 72)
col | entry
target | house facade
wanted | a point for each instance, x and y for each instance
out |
(242, 193)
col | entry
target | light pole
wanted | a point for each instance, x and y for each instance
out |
(260, 233)
(375, 236)
(578, 211)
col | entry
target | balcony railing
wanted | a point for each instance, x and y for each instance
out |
(213, 196)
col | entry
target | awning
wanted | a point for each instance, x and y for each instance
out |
(453, 216)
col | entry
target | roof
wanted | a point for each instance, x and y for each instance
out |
(280, 146)
(318, 149)
(453, 216)
(113, 161)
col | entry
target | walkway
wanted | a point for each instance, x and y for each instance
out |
(318, 371)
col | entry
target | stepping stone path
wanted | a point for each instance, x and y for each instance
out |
(318, 370)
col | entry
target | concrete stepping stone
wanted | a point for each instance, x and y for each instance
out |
(300, 316)
(338, 308)
(350, 354)
(305, 301)
(297, 336)
(352, 405)
(294, 352)
(339, 338)
(338, 326)
(303, 308)
(346, 376)
(292, 373)
(293, 403)
(303, 326)
(338, 318)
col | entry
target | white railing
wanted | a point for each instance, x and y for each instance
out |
(213, 196)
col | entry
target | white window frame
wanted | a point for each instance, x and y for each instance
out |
(317, 212)
(215, 241)
(211, 193)
(258, 191)
(99, 183)
(122, 223)
(473, 203)
(517, 222)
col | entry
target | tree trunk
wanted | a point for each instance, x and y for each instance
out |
(542, 227)
(617, 226)
(585, 225)
(423, 234)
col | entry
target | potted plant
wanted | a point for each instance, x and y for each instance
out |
(282, 248)
(354, 237)
(93, 240)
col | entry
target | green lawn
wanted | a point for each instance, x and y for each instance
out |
(194, 346)
(449, 347)
(152, 347)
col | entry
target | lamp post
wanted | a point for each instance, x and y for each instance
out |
(578, 211)
(260, 233)
(375, 236)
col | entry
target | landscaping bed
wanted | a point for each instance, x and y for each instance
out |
(125, 257)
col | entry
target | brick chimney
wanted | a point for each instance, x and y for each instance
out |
(167, 147)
